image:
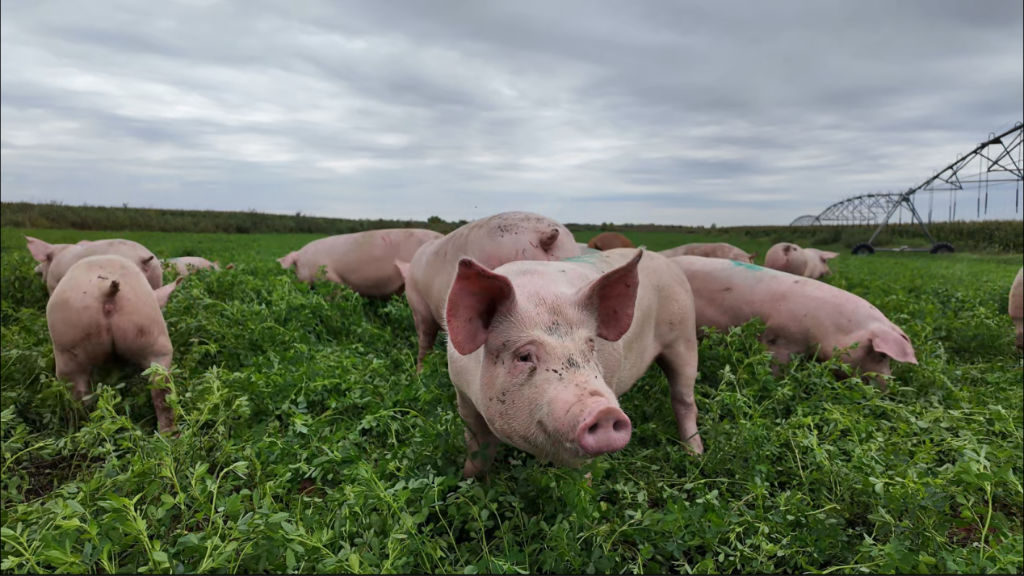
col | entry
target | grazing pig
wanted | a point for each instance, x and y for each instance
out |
(187, 264)
(364, 261)
(540, 352)
(790, 258)
(1017, 307)
(716, 250)
(492, 242)
(800, 314)
(609, 241)
(106, 306)
(56, 260)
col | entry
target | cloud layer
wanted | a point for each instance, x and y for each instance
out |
(588, 111)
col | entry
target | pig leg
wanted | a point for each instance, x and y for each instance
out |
(679, 364)
(159, 392)
(70, 370)
(426, 326)
(479, 438)
(145, 347)
(426, 330)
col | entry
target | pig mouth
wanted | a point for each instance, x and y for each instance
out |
(557, 449)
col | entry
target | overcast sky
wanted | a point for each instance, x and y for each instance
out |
(660, 111)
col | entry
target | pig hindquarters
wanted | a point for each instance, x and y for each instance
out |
(540, 352)
(105, 306)
(800, 314)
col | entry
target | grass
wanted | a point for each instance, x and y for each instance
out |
(310, 444)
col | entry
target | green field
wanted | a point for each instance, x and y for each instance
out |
(310, 444)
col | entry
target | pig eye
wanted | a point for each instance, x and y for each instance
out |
(526, 358)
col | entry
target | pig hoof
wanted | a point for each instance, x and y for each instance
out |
(695, 446)
(472, 470)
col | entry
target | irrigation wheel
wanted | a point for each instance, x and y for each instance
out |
(863, 250)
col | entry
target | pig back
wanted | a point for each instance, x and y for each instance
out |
(609, 241)
(720, 250)
(364, 261)
(492, 242)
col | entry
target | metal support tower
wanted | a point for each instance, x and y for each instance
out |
(997, 160)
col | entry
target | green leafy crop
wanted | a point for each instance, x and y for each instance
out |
(309, 443)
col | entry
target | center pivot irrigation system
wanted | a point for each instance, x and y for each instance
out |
(997, 160)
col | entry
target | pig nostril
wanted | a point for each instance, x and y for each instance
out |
(593, 429)
(619, 426)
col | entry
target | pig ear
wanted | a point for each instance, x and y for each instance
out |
(41, 251)
(163, 294)
(475, 298)
(403, 267)
(613, 298)
(287, 261)
(829, 255)
(894, 344)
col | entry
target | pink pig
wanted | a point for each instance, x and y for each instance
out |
(806, 262)
(800, 314)
(714, 250)
(540, 352)
(364, 261)
(56, 260)
(188, 264)
(1017, 307)
(492, 242)
(106, 306)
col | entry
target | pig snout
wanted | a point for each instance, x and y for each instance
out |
(603, 431)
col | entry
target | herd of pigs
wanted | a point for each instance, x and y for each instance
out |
(544, 334)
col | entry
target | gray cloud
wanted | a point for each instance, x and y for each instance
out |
(668, 112)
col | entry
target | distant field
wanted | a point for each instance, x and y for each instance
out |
(310, 444)
(994, 237)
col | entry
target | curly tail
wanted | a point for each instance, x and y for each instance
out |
(115, 287)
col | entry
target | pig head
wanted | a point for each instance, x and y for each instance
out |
(543, 392)
(540, 352)
(817, 263)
